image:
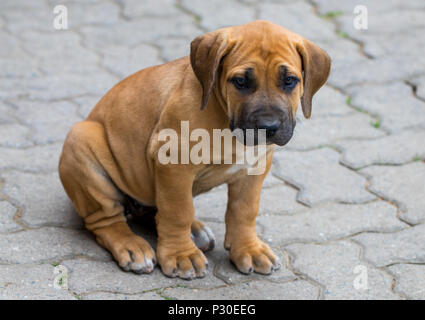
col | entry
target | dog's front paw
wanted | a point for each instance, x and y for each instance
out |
(131, 252)
(255, 256)
(186, 263)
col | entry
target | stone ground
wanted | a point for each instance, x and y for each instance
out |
(345, 197)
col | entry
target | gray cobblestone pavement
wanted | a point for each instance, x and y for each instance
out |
(347, 192)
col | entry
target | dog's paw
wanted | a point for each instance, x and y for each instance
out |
(202, 236)
(133, 253)
(256, 257)
(186, 264)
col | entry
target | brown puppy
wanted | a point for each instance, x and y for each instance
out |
(249, 77)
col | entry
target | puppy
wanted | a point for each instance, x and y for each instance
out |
(248, 78)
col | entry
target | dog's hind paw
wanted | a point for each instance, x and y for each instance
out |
(202, 236)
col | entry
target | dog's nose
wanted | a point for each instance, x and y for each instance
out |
(271, 126)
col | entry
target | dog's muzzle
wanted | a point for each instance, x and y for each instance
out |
(276, 128)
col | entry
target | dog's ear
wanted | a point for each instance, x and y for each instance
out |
(206, 53)
(316, 67)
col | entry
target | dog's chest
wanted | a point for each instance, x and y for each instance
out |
(215, 175)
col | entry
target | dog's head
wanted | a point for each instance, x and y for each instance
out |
(259, 72)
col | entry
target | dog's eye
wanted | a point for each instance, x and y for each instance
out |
(290, 82)
(240, 83)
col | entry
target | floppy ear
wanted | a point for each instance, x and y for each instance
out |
(206, 52)
(316, 68)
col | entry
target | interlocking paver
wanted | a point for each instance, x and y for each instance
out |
(258, 290)
(8, 212)
(319, 177)
(330, 222)
(14, 136)
(397, 183)
(329, 130)
(226, 18)
(33, 159)
(383, 249)
(50, 121)
(394, 104)
(394, 149)
(30, 282)
(124, 61)
(88, 276)
(46, 244)
(334, 266)
(41, 197)
(410, 280)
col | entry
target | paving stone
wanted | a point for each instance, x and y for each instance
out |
(330, 222)
(410, 280)
(381, 45)
(255, 290)
(334, 265)
(156, 8)
(404, 246)
(211, 205)
(420, 86)
(5, 113)
(293, 17)
(10, 46)
(13, 69)
(88, 276)
(226, 18)
(329, 130)
(66, 86)
(47, 244)
(149, 29)
(380, 23)
(344, 75)
(7, 213)
(319, 177)
(30, 282)
(103, 13)
(19, 21)
(34, 159)
(42, 199)
(279, 199)
(51, 121)
(385, 101)
(124, 61)
(325, 6)
(14, 136)
(119, 296)
(402, 184)
(60, 52)
(393, 149)
(173, 48)
(330, 102)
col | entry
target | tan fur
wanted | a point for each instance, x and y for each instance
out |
(114, 151)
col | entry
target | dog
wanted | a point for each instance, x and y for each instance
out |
(244, 77)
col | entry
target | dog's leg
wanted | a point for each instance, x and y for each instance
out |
(96, 198)
(177, 254)
(247, 251)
